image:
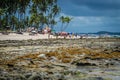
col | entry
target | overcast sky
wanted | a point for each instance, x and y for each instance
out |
(91, 15)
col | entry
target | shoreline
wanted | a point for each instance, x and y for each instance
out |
(26, 36)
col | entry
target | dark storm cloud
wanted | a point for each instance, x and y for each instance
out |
(92, 15)
(99, 4)
(90, 7)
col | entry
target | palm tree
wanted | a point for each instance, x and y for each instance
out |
(41, 12)
(44, 10)
(22, 6)
(55, 10)
(14, 22)
(65, 20)
(26, 22)
(2, 11)
(13, 6)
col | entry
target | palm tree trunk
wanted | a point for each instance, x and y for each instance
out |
(65, 26)
(0, 22)
(62, 27)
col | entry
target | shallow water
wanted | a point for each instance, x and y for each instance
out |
(112, 73)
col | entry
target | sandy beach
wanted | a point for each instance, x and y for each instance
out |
(24, 36)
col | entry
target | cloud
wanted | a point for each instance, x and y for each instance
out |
(91, 15)
(92, 24)
(95, 24)
(90, 7)
(99, 4)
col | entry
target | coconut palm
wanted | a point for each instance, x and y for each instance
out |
(13, 6)
(66, 21)
(22, 6)
(55, 10)
(14, 22)
(26, 22)
(2, 11)
(41, 12)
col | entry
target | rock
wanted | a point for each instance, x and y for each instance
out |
(42, 56)
(86, 64)
(2, 78)
(82, 55)
(10, 65)
(61, 65)
(23, 63)
(27, 75)
(35, 77)
(16, 77)
(53, 59)
(94, 78)
(59, 76)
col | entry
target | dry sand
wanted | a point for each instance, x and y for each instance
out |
(24, 36)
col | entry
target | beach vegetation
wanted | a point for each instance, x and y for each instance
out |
(65, 21)
(21, 14)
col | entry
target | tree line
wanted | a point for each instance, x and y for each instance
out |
(21, 14)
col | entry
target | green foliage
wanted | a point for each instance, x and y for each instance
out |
(45, 11)
(13, 13)
(2, 11)
(65, 20)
